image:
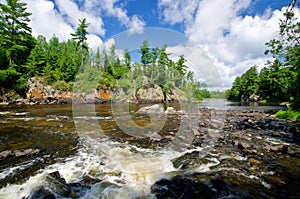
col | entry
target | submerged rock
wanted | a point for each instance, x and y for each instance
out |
(19, 153)
(179, 187)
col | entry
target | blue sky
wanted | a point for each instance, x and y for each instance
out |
(226, 35)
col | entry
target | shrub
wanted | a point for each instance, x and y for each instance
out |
(288, 114)
(61, 85)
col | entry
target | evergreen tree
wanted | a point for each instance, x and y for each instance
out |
(145, 54)
(80, 37)
(127, 58)
(15, 34)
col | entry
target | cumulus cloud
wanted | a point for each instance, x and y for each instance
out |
(134, 23)
(61, 17)
(73, 13)
(46, 21)
(246, 38)
(213, 17)
(176, 11)
(200, 63)
(233, 41)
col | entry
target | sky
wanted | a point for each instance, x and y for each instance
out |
(220, 39)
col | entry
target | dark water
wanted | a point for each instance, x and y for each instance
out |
(85, 143)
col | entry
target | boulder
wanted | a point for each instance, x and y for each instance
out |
(254, 98)
(170, 111)
(55, 185)
(151, 94)
(176, 95)
(154, 109)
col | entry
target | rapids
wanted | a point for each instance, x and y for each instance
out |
(94, 149)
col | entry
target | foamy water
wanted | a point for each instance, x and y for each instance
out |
(123, 171)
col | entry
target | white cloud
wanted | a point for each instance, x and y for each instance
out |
(200, 63)
(234, 42)
(94, 41)
(213, 17)
(73, 13)
(246, 39)
(134, 23)
(176, 11)
(46, 21)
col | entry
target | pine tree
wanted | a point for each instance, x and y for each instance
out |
(15, 34)
(80, 37)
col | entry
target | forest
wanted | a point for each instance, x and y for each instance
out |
(60, 63)
(280, 79)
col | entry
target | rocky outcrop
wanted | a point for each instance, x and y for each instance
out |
(8, 97)
(150, 94)
(38, 93)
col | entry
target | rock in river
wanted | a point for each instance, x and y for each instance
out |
(55, 185)
(179, 187)
(154, 109)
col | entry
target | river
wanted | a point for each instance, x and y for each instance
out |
(113, 152)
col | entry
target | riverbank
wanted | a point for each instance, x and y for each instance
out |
(39, 93)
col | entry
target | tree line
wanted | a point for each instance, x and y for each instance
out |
(60, 63)
(280, 79)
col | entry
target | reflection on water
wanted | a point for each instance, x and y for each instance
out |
(226, 104)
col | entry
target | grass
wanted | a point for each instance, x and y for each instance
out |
(289, 114)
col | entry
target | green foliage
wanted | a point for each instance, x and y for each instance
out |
(106, 81)
(15, 34)
(245, 85)
(8, 77)
(58, 61)
(62, 85)
(288, 114)
(125, 84)
(145, 53)
(81, 37)
(286, 48)
(87, 80)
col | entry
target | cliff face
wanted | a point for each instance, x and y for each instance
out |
(38, 93)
